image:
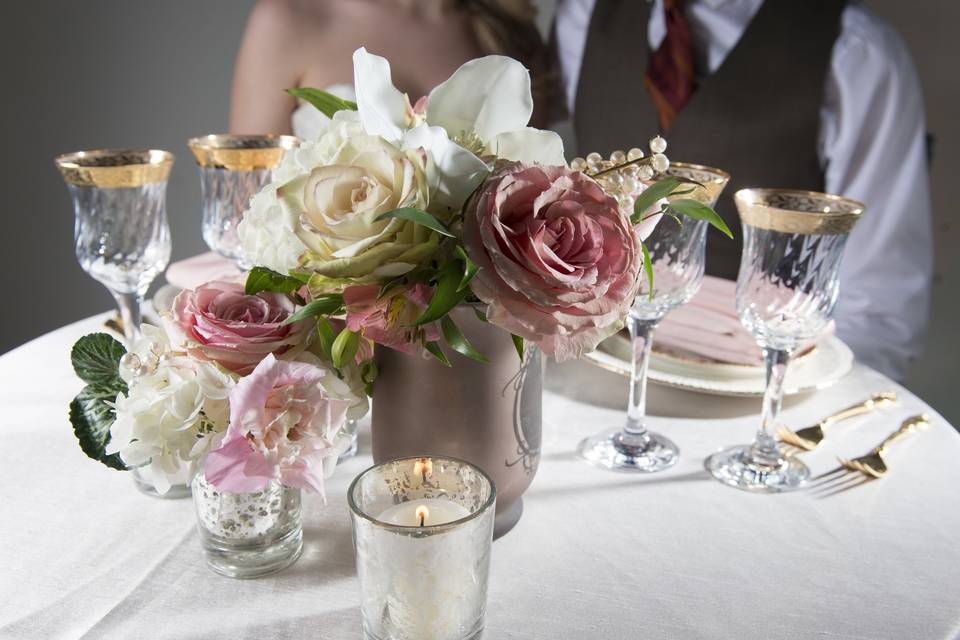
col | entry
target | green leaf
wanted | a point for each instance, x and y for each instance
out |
(418, 216)
(327, 103)
(480, 315)
(647, 268)
(458, 342)
(344, 348)
(326, 336)
(92, 418)
(368, 373)
(95, 358)
(329, 304)
(659, 189)
(445, 296)
(437, 352)
(518, 345)
(470, 268)
(263, 279)
(700, 211)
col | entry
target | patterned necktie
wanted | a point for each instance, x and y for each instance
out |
(669, 78)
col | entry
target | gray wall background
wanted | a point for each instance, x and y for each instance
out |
(129, 73)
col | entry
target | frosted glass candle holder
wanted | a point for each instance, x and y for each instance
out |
(422, 530)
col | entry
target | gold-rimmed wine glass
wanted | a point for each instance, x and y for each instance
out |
(786, 292)
(677, 253)
(232, 169)
(121, 234)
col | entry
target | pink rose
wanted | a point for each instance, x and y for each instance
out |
(282, 426)
(388, 320)
(219, 323)
(559, 262)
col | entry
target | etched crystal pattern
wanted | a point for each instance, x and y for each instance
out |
(226, 195)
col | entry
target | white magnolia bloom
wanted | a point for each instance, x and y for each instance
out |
(174, 407)
(481, 110)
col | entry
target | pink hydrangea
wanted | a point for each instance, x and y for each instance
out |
(282, 427)
(559, 261)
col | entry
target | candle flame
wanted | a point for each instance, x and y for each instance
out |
(423, 467)
(422, 513)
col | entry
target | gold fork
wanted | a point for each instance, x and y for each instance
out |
(870, 466)
(808, 438)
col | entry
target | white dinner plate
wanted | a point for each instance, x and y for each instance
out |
(822, 367)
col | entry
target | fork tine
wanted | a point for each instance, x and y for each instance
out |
(855, 481)
(828, 479)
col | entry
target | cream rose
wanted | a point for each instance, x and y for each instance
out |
(337, 204)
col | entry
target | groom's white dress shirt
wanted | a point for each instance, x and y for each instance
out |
(871, 145)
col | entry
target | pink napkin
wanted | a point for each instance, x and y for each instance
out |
(192, 272)
(708, 329)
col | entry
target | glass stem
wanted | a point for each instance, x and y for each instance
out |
(129, 305)
(765, 450)
(641, 334)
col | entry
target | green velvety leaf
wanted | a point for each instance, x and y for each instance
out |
(344, 348)
(325, 305)
(437, 352)
(418, 216)
(95, 358)
(327, 103)
(647, 268)
(445, 295)
(700, 211)
(649, 196)
(470, 268)
(263, 279)
(458, 342)
(326, 336)
(518, 345)
(92, 418)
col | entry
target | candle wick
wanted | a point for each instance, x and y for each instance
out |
(422, 518)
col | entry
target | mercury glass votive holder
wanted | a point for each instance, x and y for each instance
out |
(248, 535)
(233, 168)
(422, 531)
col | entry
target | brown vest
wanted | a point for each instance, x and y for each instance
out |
(757, 117)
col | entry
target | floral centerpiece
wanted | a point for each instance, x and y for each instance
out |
(398, 214)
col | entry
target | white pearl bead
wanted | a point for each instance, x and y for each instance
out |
(633, 171)
(630, 185)
(646, 172)
(658, 145)
(634, 154)
(614, 179)
(578, 164)
(626, 202)
(593, 159)
(660, 163)
(618, 157)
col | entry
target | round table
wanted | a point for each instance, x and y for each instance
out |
(595, 555)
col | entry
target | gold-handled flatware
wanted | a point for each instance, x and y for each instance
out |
(808, 438)
(870, 466)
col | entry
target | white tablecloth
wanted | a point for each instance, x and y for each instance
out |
(595, 555)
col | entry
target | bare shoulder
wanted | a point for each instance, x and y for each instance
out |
(281, 20)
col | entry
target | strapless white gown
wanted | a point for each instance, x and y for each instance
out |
(307, 120)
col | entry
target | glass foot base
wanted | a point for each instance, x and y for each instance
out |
(612, 450)
(735, 467)
(351, 442)
(234, 561)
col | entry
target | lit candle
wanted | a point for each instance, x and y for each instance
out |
(422, 531)
(435, 511)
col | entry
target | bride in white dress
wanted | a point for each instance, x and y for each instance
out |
(309, 43)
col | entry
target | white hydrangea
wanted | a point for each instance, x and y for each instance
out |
(174, 408)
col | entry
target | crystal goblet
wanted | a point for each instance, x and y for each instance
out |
(677, 253)
(121, 233)
(786, 292)
(232, 169)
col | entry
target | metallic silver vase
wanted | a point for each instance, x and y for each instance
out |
(486, 414)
